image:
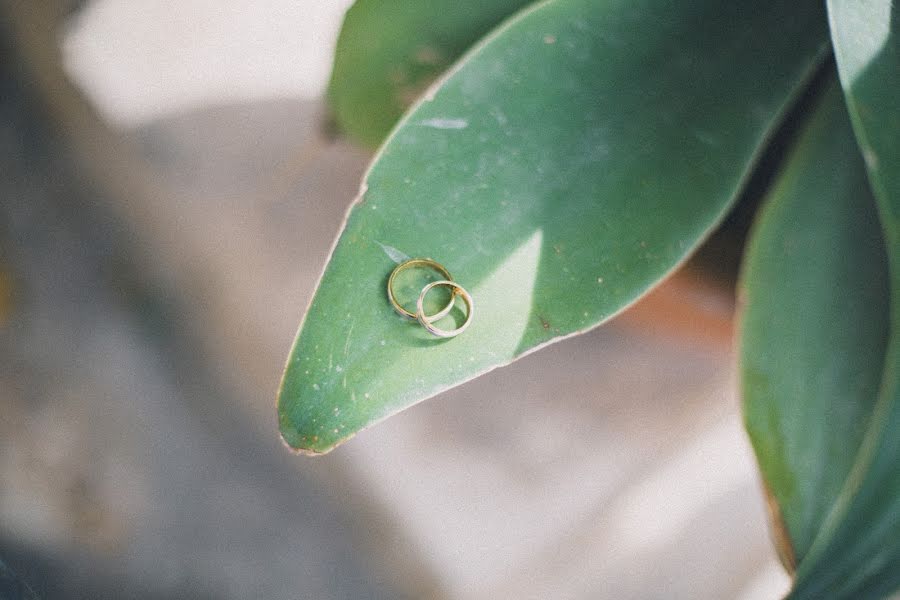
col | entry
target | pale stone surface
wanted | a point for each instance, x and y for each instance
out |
(124, 470)
(140, 61)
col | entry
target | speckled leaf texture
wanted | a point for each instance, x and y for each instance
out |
(568, 162)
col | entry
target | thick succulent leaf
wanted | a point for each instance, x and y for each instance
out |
(815, 328)
(389, 52)
(569, 163)
(857, 552)
(866, 38)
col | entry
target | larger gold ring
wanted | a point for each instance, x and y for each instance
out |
(419, 262)
(427, 322)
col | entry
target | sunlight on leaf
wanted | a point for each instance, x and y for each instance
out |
(601, 144)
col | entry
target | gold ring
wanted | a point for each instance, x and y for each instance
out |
(423, 262)
(427, 321)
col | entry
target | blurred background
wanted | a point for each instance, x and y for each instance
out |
(169, 193)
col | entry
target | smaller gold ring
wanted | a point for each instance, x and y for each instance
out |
(427, 321)
(423, 262)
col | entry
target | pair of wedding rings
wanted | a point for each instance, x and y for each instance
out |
(427, 321)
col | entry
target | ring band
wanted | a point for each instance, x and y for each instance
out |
(419, 262)
(427, 321)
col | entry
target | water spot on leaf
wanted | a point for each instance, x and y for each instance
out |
(445, 123)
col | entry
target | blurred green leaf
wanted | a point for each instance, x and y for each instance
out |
(857, 551)
(815, 327)
(389, 52)
(562, 170)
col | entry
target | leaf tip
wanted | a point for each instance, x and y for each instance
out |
(302, 440)
(301, 444)
(303, 450)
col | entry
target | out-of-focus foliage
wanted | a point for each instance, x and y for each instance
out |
(389, 52)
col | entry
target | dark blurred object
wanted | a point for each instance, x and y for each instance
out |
(13, 588)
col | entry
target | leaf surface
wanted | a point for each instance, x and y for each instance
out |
(814, 332)
(388, 52)
(568, 163)
(857, 552)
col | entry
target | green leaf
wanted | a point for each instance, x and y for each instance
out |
(866, 39)
(389, 52)
(857, 552)
(593, 147)
(815, 327)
